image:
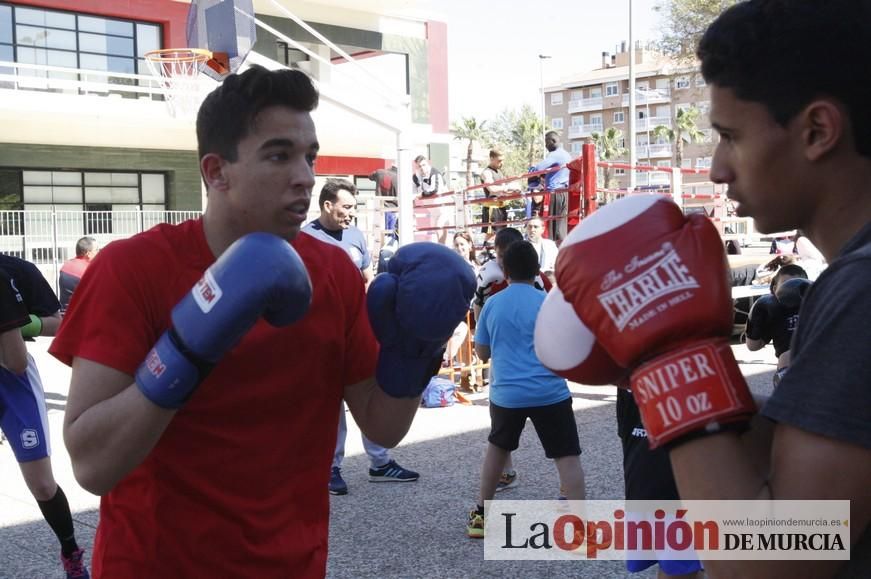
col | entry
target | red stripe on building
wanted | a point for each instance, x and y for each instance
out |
(437, 75)
(327, 165)
(171, 15)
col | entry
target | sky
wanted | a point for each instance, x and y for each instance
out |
(493, 46)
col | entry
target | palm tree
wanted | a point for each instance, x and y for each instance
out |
(685, 131)
(609, 146)
(473, 130)
(527, 135)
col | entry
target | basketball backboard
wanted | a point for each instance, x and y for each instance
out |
(226, 28)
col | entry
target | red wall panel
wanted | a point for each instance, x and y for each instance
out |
(172, 15)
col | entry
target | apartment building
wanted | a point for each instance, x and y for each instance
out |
(591, 102)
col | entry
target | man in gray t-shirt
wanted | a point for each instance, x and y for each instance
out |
(795, 153)
(338, 204)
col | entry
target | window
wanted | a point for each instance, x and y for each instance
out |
(75, 189)
(682, 82)
(557, 123)
(700, 81)
(556, 98)
(703, 163)
(707, 135)
(578, 121)
(596, 120)
(618, 117)
(612, 89)
(576, 147)
(577, 95)
(619, 172)
(595, 92)
(72, 40)
(704, 107)
(686, 164)
(665, 163)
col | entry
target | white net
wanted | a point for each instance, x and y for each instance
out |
(177, 71)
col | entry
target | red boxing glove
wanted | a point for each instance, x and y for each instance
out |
(652, 285)
(586, 362)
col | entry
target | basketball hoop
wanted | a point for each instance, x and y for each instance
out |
(177, 71)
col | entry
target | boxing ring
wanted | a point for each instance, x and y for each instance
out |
(438, 217)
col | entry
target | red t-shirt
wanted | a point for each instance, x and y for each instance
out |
(237, 484)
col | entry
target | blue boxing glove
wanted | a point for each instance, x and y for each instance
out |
(414, 308)
(259, 274)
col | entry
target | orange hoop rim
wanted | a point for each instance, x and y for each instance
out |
(178, 55)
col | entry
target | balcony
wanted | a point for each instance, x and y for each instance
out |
(650, 123)
(584, 105)
(649, 97)
(655, 151)
(582, 131)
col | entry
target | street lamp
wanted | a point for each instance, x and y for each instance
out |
(541, 59)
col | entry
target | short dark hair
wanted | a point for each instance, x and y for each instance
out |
(84, 245)
(784, 54)
(792, 270)
(553, 134)
(505, 237)
(330, 190)
(419, 158)
(228, 113)
(520, 261)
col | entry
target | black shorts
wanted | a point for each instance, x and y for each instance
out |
(554, 423)
(647, 474)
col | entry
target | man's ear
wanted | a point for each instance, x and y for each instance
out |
(213, 169)
(823, 128)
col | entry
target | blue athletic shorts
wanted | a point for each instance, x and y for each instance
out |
(23, 416)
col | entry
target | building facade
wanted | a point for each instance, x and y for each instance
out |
(596, 100)
(87, 137)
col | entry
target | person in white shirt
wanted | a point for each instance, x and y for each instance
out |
(545, 248)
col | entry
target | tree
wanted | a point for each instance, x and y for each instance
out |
(471, 129)
(520, 137)
(685, 131)
(609, 146)
(684, 23)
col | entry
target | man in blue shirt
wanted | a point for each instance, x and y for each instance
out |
(556, 181)
(338, 203)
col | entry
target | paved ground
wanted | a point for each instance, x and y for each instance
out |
(378, 530)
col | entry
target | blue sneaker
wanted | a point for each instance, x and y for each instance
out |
(392, 472)
(337, 485)
(74, 566)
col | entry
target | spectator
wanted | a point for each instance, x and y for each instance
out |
(545, 248)
(334, 225)
(71, 271)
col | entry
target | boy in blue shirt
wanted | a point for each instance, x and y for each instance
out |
(520, 386)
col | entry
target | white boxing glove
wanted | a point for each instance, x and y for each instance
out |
(568, 348)
(490, 276)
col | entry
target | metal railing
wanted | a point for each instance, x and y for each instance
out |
(48, 238)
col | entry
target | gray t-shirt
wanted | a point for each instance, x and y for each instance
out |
(351, 240)
(827, 389)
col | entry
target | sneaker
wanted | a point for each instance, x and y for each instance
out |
(337, 485)
(392, 472)
(74, 566)
(475, 528)
(508, 480)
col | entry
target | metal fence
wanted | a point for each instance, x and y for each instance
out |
(48, 238)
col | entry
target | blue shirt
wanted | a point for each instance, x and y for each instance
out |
(517, 377)
(557, 179)
(351, 240)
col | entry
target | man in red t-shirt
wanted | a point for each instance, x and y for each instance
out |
(208, 429)
(71, 271)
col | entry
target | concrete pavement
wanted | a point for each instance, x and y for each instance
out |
(377, 530)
